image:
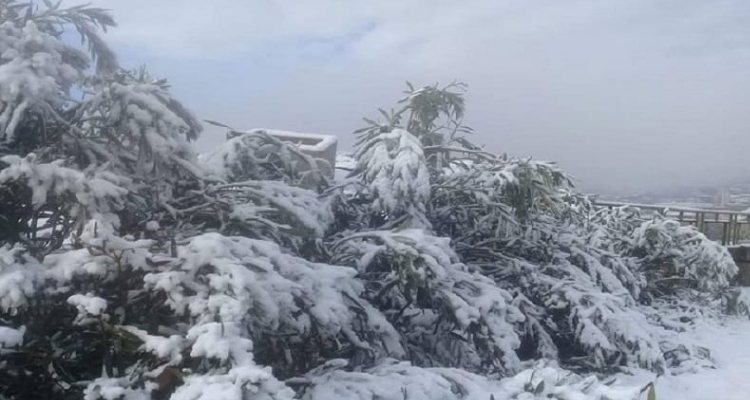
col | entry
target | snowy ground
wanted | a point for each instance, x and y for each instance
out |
(729, 342)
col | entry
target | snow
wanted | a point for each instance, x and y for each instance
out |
(220, 341)
(305, 205)
(693, 255)
(152, 226)
(46, 178)
(345, 164)
(88, 304)
(17, 280)
(96, 193)
(729, 342)
(470, 299)
(345, 161)
(393, 166)
(156, 128)
(165, 348)
(35, 68)
(233, 385)
(394, 380)
(115, 389)
(727, 338)
(10, 337)
(259, 156)
(303, 140)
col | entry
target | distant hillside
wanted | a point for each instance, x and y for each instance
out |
(735, 196)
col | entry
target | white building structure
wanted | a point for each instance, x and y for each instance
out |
(316, 145)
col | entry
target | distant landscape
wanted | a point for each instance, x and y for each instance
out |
(734, 196)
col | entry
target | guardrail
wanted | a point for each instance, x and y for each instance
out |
(728, 226)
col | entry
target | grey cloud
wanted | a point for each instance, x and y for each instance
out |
(629, 95)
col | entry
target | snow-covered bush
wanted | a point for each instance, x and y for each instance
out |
(448, 314)
(576, 274)
(673, 251)
(669, 254)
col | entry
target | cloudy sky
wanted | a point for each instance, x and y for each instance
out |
(627, 95)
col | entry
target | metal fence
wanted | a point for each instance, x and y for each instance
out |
(728, 226)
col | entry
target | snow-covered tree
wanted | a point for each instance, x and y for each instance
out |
(115, 274)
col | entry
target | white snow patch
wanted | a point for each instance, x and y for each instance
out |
(309, 142)
(394, 380)
(729, 342)
(10, 337)
(152, 226)
(88, 304)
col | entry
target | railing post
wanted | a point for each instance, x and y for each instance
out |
(736, 232)
(725, 231)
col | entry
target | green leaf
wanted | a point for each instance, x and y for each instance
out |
(539, 388)
(651, 391)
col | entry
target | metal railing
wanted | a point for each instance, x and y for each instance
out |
(728, 226)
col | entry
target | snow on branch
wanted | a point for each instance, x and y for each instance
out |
(449, 314)
(393, 380)
(35, 69)
(143, 126)
(392, 166)
(258, 155)
(254, 284)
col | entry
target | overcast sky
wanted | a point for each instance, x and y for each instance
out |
(626, 95)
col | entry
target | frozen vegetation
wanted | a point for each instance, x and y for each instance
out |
(131, 268)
